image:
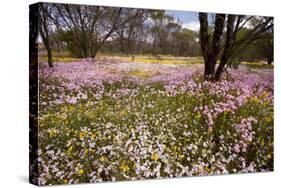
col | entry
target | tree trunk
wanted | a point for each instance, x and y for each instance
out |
(210, 51)
(48, 48)
(232, 46)
(269, 60)
(216, 43)
(122, 46)
(94, 53)
(44, 32)
(208, 70)
(227, 47)
(49, 52)
(204, 42)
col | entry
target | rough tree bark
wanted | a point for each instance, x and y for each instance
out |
(232, 46)
(227, 47)
(204, 41)
(210, 51)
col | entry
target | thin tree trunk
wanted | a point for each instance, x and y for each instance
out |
(121, 42)
(48, 48)
(44, 32)
(269, 60)
(216, 43)
(204, 42)
(227, 48)
(101, 43)
(50, 60)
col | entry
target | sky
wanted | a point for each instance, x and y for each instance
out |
(189, 19)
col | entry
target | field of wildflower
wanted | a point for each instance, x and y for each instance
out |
(111, 120)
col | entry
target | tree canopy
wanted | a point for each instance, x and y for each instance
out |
(85, 30)
(229, 39)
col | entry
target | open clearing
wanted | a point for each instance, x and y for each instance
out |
(112, 119)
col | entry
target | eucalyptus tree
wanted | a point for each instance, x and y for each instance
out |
(223, 44)
(90, 26)
(132, 32)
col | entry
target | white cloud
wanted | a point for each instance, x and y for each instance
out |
(194, 26)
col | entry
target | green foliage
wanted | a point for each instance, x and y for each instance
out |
(68, 38)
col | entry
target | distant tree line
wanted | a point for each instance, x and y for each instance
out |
(85, 30)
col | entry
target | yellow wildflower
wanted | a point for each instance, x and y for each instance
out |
(181, 156)
(69, 150)
(155, 157)
(81, 171)
(175, 148)
(208, 170)
(255, 99)
(53, 132)
(86, 151)
(268, 119)
(93, 135)
(82, 135)
(198, 115)
(124, 167)
(103, 158)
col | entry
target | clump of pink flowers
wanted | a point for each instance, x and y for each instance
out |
(108, 121)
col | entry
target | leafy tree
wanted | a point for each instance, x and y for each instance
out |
(216, 47)
(185, 43)
(261, 49)
(90, 26)
(132, 32)
(265, 46)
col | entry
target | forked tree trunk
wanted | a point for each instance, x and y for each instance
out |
(211, 50)
(232, 46)
(227, 47)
